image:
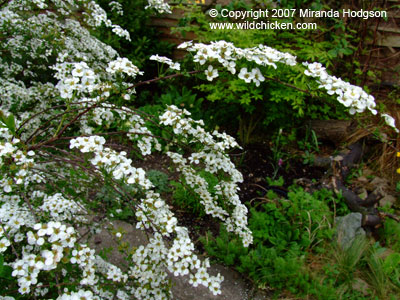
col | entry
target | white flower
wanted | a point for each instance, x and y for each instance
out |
(200, 58)
(211, 73)
(185, 45)
(159, 5)
(123, 65)
(231, 67)
(43, 229)
(48, 257)
(246, 76)
(257, 76)
(161, 59)
(175, 66)
(166, 60)
(4, 243)
(34, 239)
(25, 289)
(390, 121)
(79, 69)
(19, 268)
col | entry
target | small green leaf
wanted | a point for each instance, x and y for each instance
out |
(391, 263)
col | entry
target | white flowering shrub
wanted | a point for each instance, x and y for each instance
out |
(67, 131)
(60, 110)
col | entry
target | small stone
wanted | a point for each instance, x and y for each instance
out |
(377, 181)
(360, 286)
(348, 228)
(362, 193)
(362, 179)
(338, 158)
(387, 200)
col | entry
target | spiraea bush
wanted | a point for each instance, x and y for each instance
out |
(65, 100)
(62, 91)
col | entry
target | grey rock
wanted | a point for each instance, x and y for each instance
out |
(348, 228)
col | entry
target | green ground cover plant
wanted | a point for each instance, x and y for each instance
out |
(285, 231)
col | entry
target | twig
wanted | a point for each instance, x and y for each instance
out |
(62, 130)
(162, 78)
(8, 237)
(289, 85)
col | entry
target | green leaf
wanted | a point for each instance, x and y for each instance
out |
(391, 263)
(8, 121)
(5, 271)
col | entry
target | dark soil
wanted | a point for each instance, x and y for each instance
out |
(255, 163)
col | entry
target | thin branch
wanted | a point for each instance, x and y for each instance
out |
(63, 129)
(46, 110)
(8, 237)
(162, 78)
(288, 85)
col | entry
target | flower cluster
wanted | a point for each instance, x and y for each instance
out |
(255, 76)
(347, 94)
(139, 133)
(27, 268)
(110, 271)
(390, 121)
(81, 79)
(117, 7)
(61, 208)
(23, 162)
(123, 65)
(213, 160)
(98, 16)
(228, 55)
(159, 5)
(81, 294)
(40, 4)
(166, 60)
(111, 161)
(13, 217)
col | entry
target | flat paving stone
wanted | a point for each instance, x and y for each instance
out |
(234, 287)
